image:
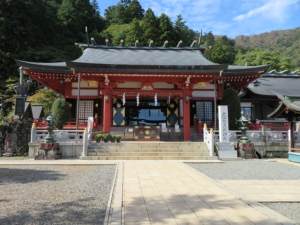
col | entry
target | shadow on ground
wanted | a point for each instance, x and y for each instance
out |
(77, 212)
(11, 175)
(188, 209)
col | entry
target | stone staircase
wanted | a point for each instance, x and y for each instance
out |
(148, 151)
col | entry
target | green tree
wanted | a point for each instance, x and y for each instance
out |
(231, 99)
(182, 32)
(45, 98)
(61, 112)
(264, 57)
(135, 33)
(134, 10)
(166, 30)
(222, 54)
(149, 26)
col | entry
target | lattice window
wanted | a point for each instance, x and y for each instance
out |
(204, 111)
(86, 109)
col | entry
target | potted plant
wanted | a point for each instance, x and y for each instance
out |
(118, 137)
(99, 137)
(112, 138)
(106, 137)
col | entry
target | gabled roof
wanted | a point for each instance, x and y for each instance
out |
(276, 86)
(46, 67)
(289, 107)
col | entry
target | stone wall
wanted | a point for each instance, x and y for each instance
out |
(69, 150)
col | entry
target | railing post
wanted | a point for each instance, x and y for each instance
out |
(204, 131)
(90, 132)
(199, 127)
(211, 142)
(256, 124)
(33, 134)
(85, 143)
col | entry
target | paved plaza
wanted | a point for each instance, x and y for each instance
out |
(173, 192)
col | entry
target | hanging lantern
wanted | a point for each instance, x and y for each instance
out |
(155, 99)
(137, 99)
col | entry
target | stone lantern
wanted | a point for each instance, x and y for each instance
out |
(245, 147)
(243, 127)
(49, 149)
(50, 127)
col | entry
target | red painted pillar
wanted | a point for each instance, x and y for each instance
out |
(186, 116)
(107, 111)
(199, 127)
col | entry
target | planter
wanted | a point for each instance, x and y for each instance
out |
(112, 139)
(97, 140)
(105, 140)
(118, 140)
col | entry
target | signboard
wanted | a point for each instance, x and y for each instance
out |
(19, 106)
(10, 142)
(164, 130)
(163, 125)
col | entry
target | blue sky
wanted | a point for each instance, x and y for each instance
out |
(226, 17)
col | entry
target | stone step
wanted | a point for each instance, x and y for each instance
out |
(149, 157)
(145, 144)
(147, 154)
(146, 150)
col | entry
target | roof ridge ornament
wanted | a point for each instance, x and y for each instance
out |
(107, 43)
(179, 44)
(122, 43)
(151, 44)
(166, 44)
(137, 43)
(193, 44)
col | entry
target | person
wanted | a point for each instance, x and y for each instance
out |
(95, 124)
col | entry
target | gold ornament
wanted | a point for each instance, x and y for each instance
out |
(172, 106)
(147, 132)
(119, 105)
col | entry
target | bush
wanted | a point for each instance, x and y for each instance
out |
(99, 136)
(106, 136)
(231, 99)
(61, 112)
(118, 137)
(113, 137)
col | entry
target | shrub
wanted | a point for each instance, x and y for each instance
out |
(118, 137)
(112, 136)
(61, 112)
(99, 136)
(106, 136)
(231, 99)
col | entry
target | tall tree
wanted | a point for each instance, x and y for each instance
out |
(135, 33)
(149, 26)
(166, 30)
(222, 54)
(134, 10)
(182, 31)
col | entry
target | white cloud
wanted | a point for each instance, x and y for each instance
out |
(273, 8)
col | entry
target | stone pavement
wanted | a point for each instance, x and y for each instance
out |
(166, 192)
(266, 190)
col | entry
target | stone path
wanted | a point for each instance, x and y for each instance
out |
(266, 190)
(166, 192)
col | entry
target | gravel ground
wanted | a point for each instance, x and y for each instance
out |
(289, 210)
(54, 194)
(249, 170)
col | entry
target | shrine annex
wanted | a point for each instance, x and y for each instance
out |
(119, 84)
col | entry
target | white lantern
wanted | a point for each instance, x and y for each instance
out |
(137, 99)
(155, 99)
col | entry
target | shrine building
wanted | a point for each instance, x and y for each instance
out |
(131, 86)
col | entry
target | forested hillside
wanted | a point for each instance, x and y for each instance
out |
(287, 42)
(46, 30)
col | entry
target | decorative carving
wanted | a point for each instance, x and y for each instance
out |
(119, 105)
(147, 88)
(172, 105)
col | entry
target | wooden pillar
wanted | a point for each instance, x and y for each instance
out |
(107, 111)
(199, 127)
(186, 116)
(264, 139)
(291, 135)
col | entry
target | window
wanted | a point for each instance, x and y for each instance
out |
(247, 112)
(204, 111)
(85, 109)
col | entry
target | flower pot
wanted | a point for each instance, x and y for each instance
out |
(118, 140)
(105, 140)
(112, 139)
(97, 140)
